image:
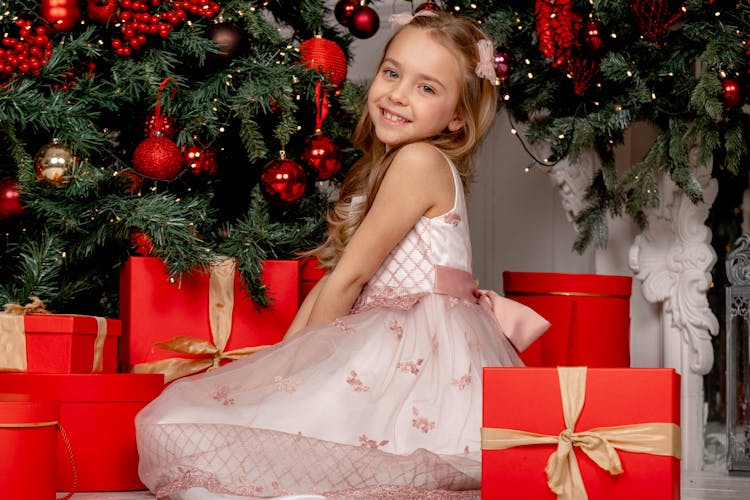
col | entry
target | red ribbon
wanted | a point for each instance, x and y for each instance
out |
(321, 104)
(158, 116)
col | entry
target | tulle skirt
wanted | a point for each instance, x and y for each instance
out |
(383, 403)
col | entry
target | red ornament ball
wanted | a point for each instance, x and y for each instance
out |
(101, 11)
(428, 5)
(343, 10)
(63, 15)
(732, 93)
(326, 57)
(363, 22)
(10, 199)
(199, 160)
(321, 156)
(593, 35)
(283, 181)
(158, 158)
(502, 63)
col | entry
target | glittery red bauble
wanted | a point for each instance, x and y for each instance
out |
(158, 158)
(199, 160)
(343, 10)
(428, 5)
(326, 57)
(10, 199)
(142, 244)
(101, 11)
(731, 93)
(363, 22)
(283, 181)
(321, 156)
(63, 15)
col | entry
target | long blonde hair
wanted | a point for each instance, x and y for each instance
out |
(477, 106)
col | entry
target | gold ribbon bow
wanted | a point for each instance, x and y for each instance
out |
(206, 355)
(13, 334)
(600, 444)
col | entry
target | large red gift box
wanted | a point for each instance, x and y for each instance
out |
(97, 412)
(309, 275)
(59, 343)
(589, 314)
(155, 308)
(529, 400)
(28, 440)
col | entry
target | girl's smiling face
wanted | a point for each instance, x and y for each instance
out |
(415, 93)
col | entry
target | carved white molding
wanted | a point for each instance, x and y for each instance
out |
(673, 258)
(572, 182)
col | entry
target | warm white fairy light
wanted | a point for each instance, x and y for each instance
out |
(561, 136)
(513, 131)
(653, 96)
(506, 97)
(221, 129)
(527, 169)
(530, 74)
(629, 73)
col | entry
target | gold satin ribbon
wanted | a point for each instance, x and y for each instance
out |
(29, 424)
(208, 355)
(13, 336)
(600, 444)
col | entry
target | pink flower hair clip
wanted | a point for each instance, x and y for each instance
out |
(485, 67)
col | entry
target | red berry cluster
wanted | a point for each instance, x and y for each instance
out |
(70, 77)
(27, 53)
(139, 22)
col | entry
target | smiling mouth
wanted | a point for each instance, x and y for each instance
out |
(391, 117)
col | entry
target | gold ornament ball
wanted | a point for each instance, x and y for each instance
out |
(53, 162)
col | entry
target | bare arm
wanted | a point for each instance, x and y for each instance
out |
(417, 183)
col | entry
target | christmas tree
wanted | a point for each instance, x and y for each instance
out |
(185, 130)
(574, 75)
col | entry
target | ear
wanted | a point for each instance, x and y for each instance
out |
(456, 123)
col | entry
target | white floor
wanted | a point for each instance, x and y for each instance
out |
(695, 486)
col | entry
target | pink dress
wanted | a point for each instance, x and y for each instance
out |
(382, 403)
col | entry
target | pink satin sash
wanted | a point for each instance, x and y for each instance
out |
(521, 324)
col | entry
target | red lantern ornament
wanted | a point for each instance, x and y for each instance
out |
(283, 181)
(732, 94)
(142, 244)
(10, 199)
(363, 22)
(557, 26)
(200, 161)
(655, 17)
(101, 11)
(158, 158)
(343, 10)
(63, 15)
(428, 5)
(326, 57)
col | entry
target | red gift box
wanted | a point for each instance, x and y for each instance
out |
(97, 411)
(155, 309)
(58, 343)
(589, 314)
(529, 400)
(28, 440)
(309, 275)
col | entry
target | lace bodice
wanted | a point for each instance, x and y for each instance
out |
(409, 270)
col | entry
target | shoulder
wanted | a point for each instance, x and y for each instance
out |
(420, 160)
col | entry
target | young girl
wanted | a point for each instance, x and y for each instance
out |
(376, 390)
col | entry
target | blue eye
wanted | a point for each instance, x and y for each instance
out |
(389, 73)
(427, 89)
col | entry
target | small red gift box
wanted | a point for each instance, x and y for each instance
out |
(58, 343)
(28, 440)
(199, 316)
(578, 306)
(524, 421)
(97, 411)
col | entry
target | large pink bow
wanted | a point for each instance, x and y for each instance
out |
(521, 324)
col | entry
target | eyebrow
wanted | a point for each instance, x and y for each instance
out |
(420, 76)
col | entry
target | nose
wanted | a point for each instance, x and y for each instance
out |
(398, 95)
